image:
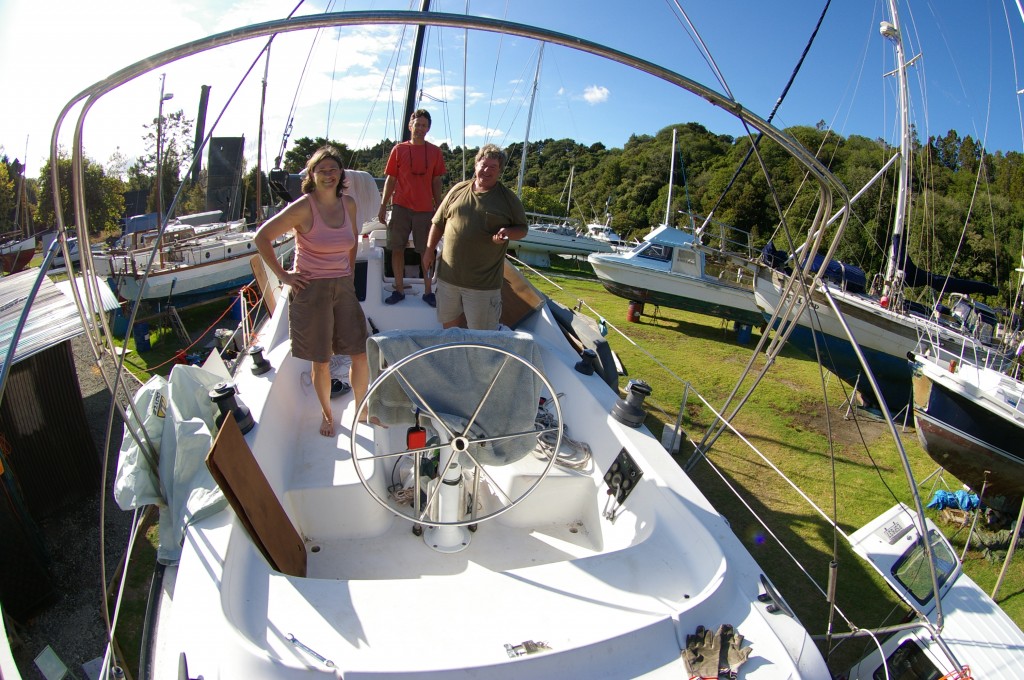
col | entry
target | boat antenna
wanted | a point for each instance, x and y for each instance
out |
(671, 177)
(259, 138)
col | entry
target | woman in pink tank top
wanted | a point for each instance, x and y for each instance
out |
(324, 316)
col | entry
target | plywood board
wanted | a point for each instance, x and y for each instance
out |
(253, 499)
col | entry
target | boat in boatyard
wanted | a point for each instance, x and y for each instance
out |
(506, 513)
(189, 264)
(978, 639)
(604, 232)
(969, 416)
(673, 269)
(886, 327)
(546, 239)
(16, 251)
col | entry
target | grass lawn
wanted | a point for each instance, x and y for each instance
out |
(852, 476)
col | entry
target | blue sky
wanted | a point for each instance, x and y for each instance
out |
(355, 82)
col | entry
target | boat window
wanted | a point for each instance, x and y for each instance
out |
(686, 257)
(657, 251)
(908, 662)
(911, 570)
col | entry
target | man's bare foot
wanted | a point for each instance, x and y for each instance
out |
(326, 426)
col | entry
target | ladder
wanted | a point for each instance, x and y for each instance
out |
(176, 324)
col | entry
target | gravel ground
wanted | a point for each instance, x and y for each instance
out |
(73, 625)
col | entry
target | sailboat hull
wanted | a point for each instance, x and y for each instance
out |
(559, 243)
(978, 445)
(205, 270)
(15, 255)
(884, 336)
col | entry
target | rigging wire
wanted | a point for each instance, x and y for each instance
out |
(691, 31)
(778, 103)
(494, 78)
(290, 118)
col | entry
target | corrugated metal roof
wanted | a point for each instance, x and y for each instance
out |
(52, 320)
(107, 297)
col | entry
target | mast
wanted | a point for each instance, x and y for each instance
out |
(892, 32)
(529, 119)
(671, 177)
(414, 69)
(259, 139)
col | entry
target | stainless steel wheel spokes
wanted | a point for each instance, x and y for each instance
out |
(477, 462)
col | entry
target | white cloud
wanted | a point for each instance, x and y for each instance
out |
(596, 94)
(480, 132)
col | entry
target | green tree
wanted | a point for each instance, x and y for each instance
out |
(295, 158)
(104, 202)
(8, 196)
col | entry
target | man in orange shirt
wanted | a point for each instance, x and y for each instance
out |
(413, 189)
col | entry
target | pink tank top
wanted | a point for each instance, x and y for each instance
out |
(323, 251)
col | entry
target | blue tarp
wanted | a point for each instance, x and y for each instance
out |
(947, 499)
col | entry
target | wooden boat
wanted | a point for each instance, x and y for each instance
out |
(16, 252)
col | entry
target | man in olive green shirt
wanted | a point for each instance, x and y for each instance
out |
(477, 218)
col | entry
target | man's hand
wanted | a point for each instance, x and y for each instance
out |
(427, 259)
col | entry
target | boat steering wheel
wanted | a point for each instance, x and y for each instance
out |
(454, 449)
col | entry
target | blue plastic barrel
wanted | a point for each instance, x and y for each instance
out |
(141, 334)
(743, 333)
(120, 325)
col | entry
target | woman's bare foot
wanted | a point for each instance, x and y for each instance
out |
(364, 420)
(326, 426)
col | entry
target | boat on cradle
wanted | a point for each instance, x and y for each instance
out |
(546, 239)
(969, 416)
(975, 630)
(187, 265)
(16, 251)
(462, 533)
(604, 232)
(886, 327)
(672, 268)
(684, 270)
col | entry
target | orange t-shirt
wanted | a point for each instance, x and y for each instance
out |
(414, 167)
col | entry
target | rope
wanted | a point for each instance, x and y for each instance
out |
(195, 342)
(572, 454)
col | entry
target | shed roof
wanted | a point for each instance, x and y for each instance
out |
(52, 319)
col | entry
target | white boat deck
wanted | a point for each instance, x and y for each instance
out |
(608, 599)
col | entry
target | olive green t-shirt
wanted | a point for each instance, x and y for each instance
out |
(469, 258)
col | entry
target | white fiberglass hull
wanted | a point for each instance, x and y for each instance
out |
(633, 280)
(537, 241)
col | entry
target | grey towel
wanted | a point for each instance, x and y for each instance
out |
(454, 382)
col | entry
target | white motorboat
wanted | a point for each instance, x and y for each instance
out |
(543, 240)
(672, 268)
(978, 639)
(604, 232)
